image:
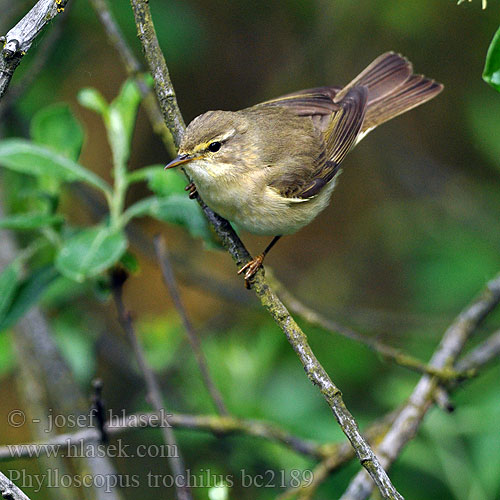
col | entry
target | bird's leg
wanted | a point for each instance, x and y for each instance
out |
(192, 190)
(255, 264)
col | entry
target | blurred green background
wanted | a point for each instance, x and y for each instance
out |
(411, 235)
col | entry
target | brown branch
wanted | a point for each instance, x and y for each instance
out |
(171, 284)
(395, 355)
(406, 425)
(9, 490)
(20, 38)
(296, 337)
(153, 388)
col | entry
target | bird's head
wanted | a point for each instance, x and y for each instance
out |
(215, 146)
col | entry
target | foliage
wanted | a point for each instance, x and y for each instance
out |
(491, 73)
(51, 158)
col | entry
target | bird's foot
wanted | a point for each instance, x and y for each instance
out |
(251, 268)
(192, 190)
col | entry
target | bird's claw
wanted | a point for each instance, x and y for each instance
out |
(192, 190)
(251, 268)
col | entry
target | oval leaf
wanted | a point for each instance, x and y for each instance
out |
(9, 280)
(29, 221)
(24, 156)
(27, 295)
(162, 182)
(57, 128)
(120, 121)
(92, 99)
(177, 209)
(90, 252)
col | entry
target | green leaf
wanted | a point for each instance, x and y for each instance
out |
(90, 252)
(7, 357)
(491, 72)
(92, 99)
(120, 121)
(24, 156)
(176, 209)
(130, 263)
(27, 294)
(28, 221)
(162, 182)
(9, 281)
(57, 128)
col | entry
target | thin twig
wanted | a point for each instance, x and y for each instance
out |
(134, 68)
(478, 358)
(171, 284)
(395, 355)
(482, 354)
(9, 490)
(218, 425)
(296, 337)
(153, 389)
(410, 418)
(20, 38)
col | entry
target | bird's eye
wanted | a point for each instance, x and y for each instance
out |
(214, 146)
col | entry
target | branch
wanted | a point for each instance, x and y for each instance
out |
(170, 283)
(406, 425)
(296, 337)
(338, 455)
(482, 354)
(43, 54)
(153, 388)
(158, 67)
(395, 355)
(19, 39)
(219, 426)
(134, 68)
(9, 490)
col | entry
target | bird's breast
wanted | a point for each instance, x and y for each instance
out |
(258, 208)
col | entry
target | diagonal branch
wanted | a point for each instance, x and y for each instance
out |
(296, 337)
(171, 284)
(153, 388)
(20, 38)
(9, 490)
(406, 425)
(482, 354)
(133, 68)
(158, 67)
(387, 351)
(44, 52)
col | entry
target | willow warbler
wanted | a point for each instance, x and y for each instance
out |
(271, 168)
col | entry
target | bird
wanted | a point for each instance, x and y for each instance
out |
(271, 168)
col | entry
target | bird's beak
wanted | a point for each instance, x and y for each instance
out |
(179, 161)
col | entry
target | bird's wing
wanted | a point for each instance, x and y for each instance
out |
(317, 103)
(339, 137)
